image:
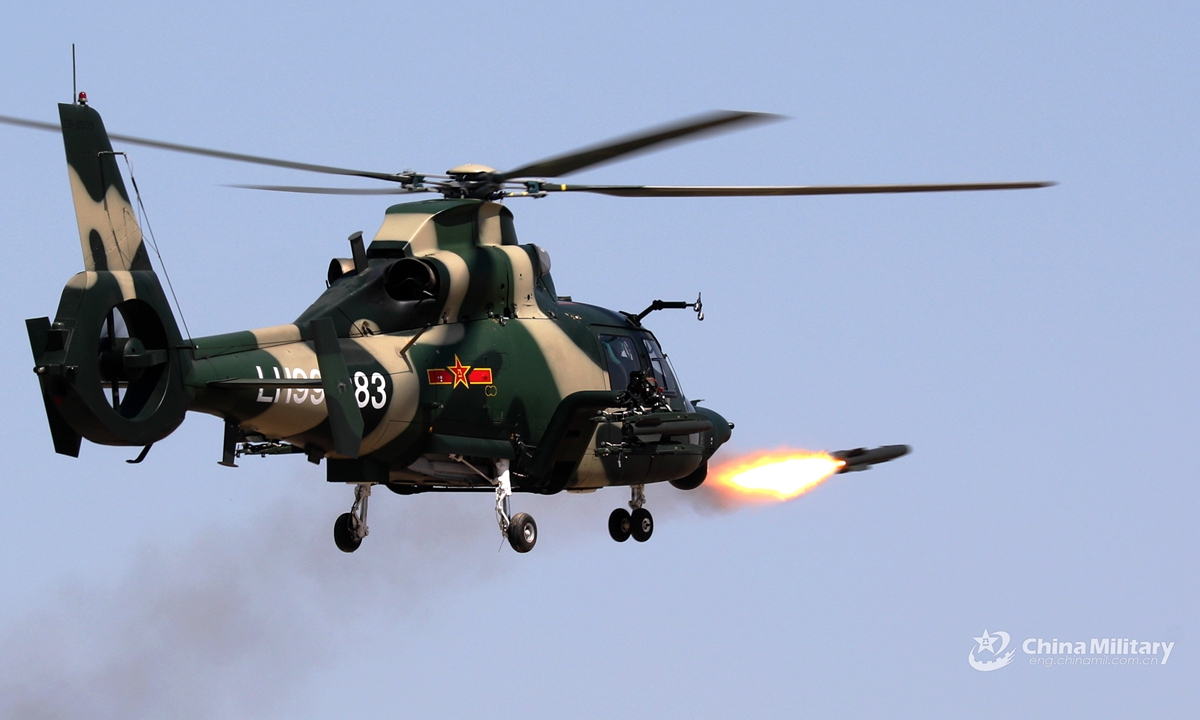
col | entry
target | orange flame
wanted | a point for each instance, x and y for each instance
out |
(774, 474)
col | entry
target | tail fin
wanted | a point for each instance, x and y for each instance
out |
(108, 227)
(112, 364)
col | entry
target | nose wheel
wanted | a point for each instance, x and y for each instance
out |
(620, 525)
(643, 524)
(639, 524)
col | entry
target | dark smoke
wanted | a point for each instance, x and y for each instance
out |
(233, 620)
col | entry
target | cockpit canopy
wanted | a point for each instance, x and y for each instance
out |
(638, 352)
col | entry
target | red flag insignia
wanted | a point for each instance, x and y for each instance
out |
(459, 374)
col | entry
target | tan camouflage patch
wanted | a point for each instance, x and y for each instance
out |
(87, 280)
(441, 335)
(125, 282)
(276, 335)
(572, 369)
(112, 218)
(590, 473)
(364, 328)
(289, 411)
(460, 280)
(523, 278)
(83, 280)
(416, 229)
(489, 223)
(406, 390)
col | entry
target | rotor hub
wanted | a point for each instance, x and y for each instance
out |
(470, 171)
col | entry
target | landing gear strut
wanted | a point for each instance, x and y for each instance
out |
(640, 523)
(520, 529)
(350, 528)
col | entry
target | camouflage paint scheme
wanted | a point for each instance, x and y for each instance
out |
(450, 341)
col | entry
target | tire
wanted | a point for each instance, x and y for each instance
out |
(643, 525)
(619, 525)
(522, 532)
(344, 536)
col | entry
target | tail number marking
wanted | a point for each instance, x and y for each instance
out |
(363, 390)
(293, 395)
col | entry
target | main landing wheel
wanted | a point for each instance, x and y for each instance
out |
(643, 525)
(620, 525)
(522, 532)
(345, 535)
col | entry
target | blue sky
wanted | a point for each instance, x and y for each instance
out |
(1037, 349)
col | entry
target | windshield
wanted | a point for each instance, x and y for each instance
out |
(621, 355)
(661, 367)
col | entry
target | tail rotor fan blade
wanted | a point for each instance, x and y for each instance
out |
(110, 324)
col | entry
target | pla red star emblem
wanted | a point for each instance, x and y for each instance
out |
(460, 373)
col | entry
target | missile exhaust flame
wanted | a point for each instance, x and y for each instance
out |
(773, 475)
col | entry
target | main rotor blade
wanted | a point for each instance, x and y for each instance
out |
(35, 124)
(767, 190)
(690, 128)
(336, 191)
(239, 157)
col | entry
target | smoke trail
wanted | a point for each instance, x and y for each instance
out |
(225, 623)
(235, 619)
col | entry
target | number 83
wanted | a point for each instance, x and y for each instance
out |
(363, 390)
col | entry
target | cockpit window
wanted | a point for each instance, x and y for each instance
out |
(661, 367)
(621, 355)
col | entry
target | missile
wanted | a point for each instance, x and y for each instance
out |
(862, 459)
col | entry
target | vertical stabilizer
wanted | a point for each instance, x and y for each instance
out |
(108, 227)
(112, 364)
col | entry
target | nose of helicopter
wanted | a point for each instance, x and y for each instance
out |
(721, 431)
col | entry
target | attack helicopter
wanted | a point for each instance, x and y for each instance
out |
(440, 357)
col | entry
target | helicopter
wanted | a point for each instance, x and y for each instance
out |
(439, 358)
